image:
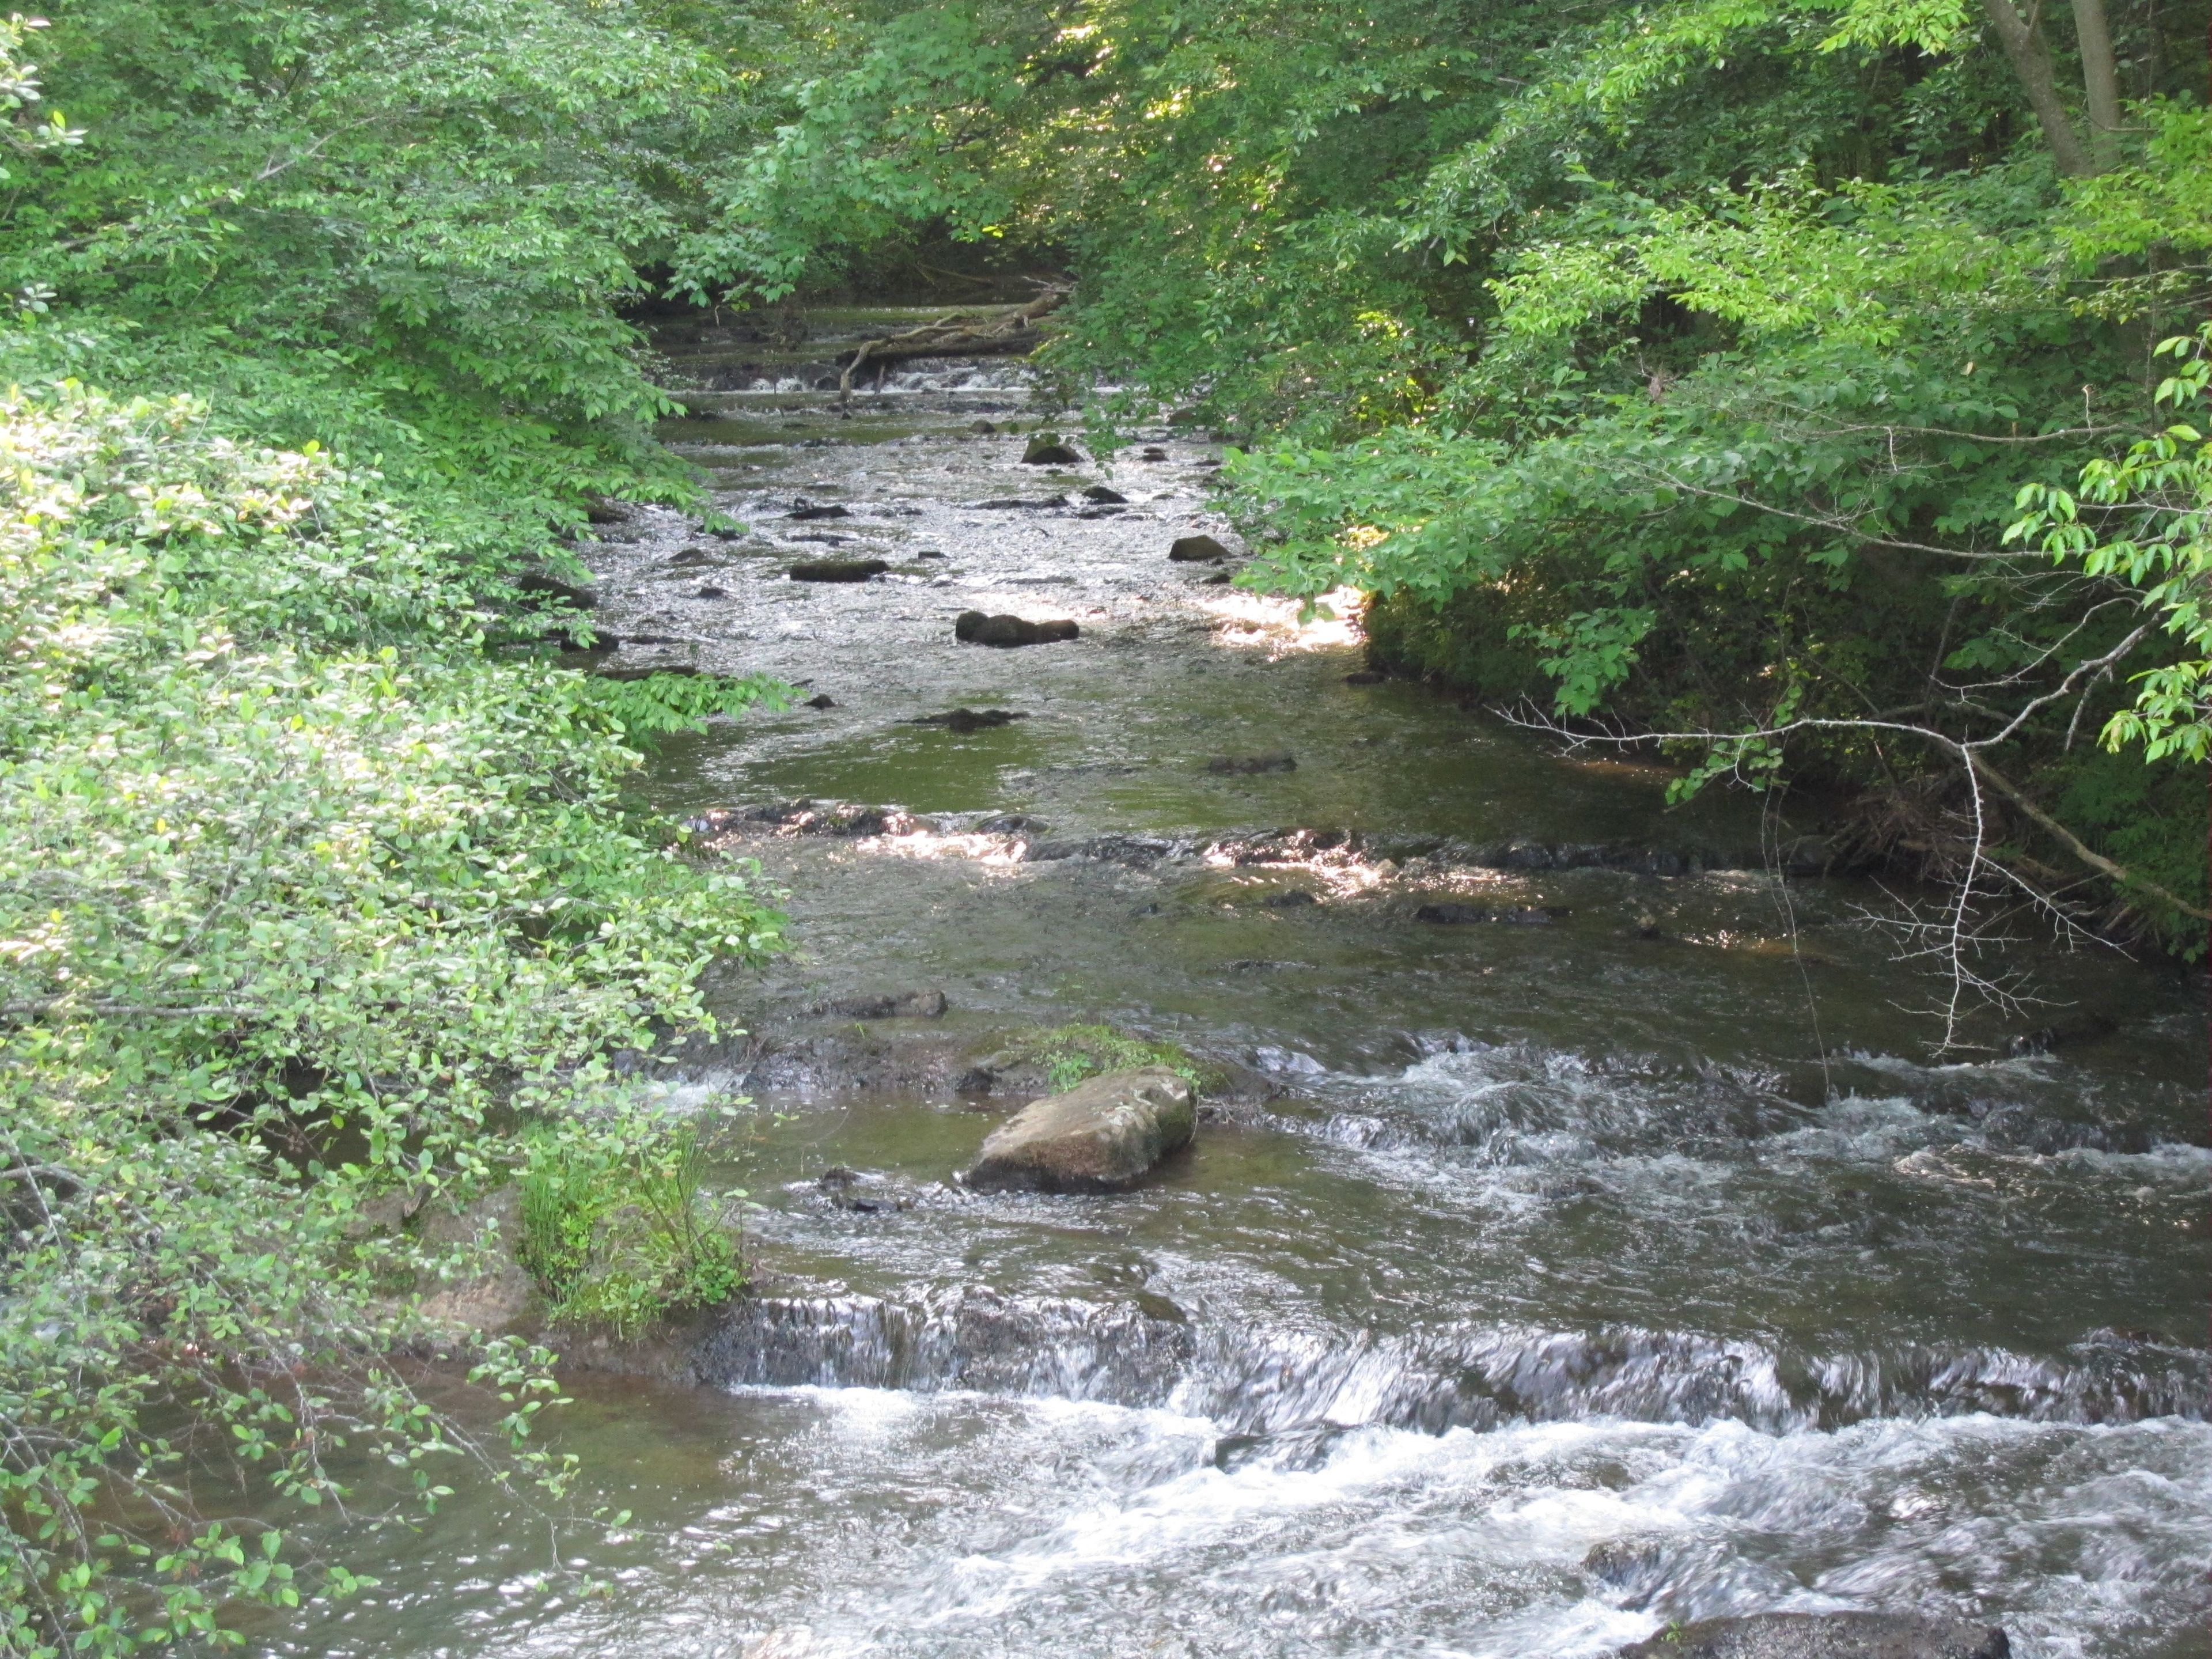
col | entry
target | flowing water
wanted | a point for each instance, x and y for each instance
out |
(1634, 1257)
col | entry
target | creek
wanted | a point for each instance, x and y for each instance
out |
(1533, 1282)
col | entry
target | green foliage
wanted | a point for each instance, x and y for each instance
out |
(2150, 527)
(891, 141)
(615, 1228)
(301, 898)
(662, 703)
(403, 227)
(1070, 1054)
(305, 902)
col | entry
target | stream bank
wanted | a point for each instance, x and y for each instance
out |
(1584, 1236)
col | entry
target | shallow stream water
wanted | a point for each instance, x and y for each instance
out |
(1635, 1257)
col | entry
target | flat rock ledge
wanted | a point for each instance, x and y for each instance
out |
(1102, 1135)
(1828, 1636)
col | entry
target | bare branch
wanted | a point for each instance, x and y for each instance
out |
(2075, 845)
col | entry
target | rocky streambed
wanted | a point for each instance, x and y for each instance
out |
(1581, 1243)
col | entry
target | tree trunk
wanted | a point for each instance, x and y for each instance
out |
(2101, 80)
(2031, 61)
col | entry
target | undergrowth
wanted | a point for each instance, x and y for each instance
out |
(618, 1234)
(1070, 1054)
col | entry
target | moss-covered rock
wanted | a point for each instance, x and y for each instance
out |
(1106, 1133)
(1055, 1059)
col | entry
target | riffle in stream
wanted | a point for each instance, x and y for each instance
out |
(1627, 1257)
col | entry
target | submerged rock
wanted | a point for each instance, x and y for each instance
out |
(966, 1337)
(1153, 453)
(1452, 915)
(1280, 760)
(837, 570)
(1100, 1135)
(1196, 550)
(2063, 1035)
(806, 510)
(974, 628)
(970, 720)
(1047, 450)
(1137, 852)
(810, 817)
(1828, 1636)
(863, 1194)
(909, 1005)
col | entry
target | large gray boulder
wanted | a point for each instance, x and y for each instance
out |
(1828, 1636)
(1100, 1135)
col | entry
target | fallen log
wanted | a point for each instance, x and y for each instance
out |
(959, 334)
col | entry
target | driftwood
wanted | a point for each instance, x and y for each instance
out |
(959, 334)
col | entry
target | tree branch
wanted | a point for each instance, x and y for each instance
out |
(2073, 843)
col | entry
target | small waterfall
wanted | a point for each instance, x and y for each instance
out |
(1476, 1375)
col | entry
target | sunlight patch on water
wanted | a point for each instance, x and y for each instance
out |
(1246, 619)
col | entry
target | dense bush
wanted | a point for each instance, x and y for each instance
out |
(302, 900)
(313, 907)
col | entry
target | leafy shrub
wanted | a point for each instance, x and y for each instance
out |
(617, 1229)
(659, 704)
(301, 899)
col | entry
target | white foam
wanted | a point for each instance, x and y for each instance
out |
(1739, 1521)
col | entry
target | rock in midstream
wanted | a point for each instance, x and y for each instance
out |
(970, 720)
(1102, 1134)
(974, 628)
(1828, 1636)
(1279, 760)
(1196, 550)
(1047, 450)
(837, 570)
(909, 1005)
